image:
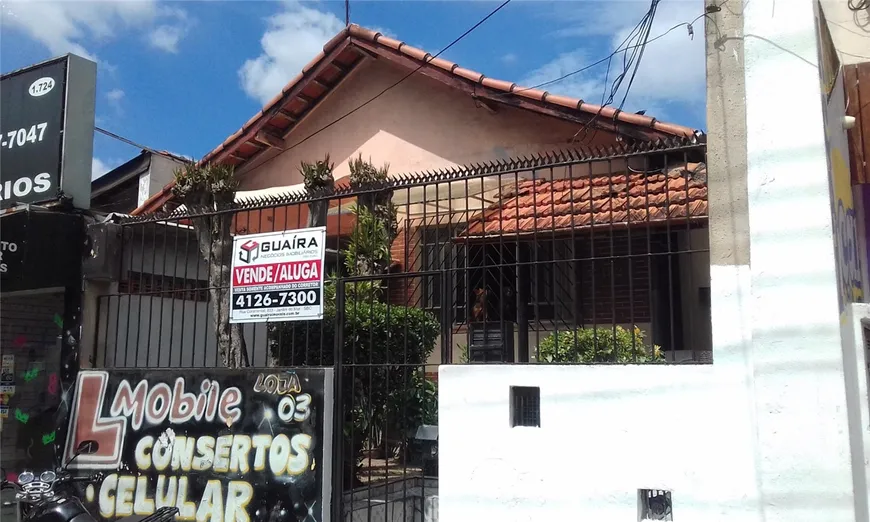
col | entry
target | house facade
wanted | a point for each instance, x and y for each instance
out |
(359, 98)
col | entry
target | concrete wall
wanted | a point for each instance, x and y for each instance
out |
(606, 431)
(160, 172)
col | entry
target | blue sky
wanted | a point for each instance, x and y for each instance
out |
(182, 76)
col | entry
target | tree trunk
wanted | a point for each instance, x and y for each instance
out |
(317, 213)
(216, 245)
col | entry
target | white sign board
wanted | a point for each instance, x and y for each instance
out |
(278, 276)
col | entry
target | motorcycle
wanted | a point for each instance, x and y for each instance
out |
(49, 497)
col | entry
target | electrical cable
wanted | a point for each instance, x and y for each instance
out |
(653, 9)
(375, 97)
(611, 55)
(860, 5)
(137, 145)
(641, 30)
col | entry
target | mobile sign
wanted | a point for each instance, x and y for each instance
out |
(221, 445)
(47, 131)
(278, 276)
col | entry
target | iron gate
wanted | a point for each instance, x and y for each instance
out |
(583, 257)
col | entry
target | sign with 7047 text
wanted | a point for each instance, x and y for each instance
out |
(278, 276)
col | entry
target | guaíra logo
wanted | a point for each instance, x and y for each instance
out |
(249, 252)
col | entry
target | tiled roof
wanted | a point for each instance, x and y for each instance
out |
(271, 125)
(542, 206)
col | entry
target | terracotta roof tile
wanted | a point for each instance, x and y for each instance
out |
(291, 84)
(564, 101)
(636, 119)
(468, 74)
(392, 43)
(441, 63)
(499, 85)
(413, 52)
(314, 61)
(535, 94)
(619, 199)
(335, 40)
(362, 32)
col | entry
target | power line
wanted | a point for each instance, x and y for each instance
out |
(641, 30)
(134, 144)
(611, 55)
(375, 97)
(652, 16)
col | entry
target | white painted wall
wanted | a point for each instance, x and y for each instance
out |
(606, 431)
(761, 435)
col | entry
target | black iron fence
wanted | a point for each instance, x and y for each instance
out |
(588, 257)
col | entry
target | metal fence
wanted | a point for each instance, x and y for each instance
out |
(583, 257)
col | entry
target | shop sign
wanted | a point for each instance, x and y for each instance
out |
(220, 445)
(844, 216)
(46, 133)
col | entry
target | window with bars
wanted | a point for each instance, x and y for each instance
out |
(618, 278)
(525, 406)
(441, 254)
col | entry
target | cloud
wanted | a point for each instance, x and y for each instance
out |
(586, 85)
(672, 70)
(293, 37)
(115, 97)
(70, 26)
(98, 168)
(509, 58)
(166, 37)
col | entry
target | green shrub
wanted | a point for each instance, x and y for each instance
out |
(598, 345)
(384, 350)
(415, 403)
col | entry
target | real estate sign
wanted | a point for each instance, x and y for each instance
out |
(221, 445)
(278, 276)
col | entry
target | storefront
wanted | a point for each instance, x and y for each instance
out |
(40, 296)
(46, 149)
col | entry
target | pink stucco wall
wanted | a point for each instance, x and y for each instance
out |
(419, 125)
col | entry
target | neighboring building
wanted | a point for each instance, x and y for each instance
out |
(127, 186)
